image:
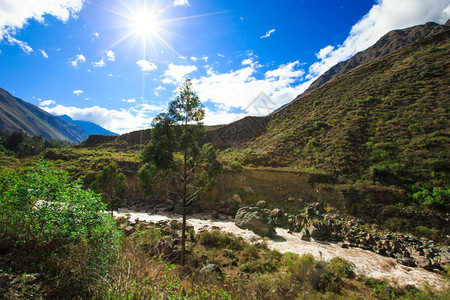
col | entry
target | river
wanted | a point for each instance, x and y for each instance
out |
(366, 263)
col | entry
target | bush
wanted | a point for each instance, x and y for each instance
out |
(436, 197)
(43, 214)
(236, 166)
(217, 239)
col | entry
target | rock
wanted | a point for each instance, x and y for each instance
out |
(276, 212)
(237, 198)
(175, 224)
(230, 206)
(215, 215)
(163, 207)
(211, 269)
(164, 247)
(261, 204)
(190, 209)
(129, 230)
(304, 235)
(255, 219)
(291, 199)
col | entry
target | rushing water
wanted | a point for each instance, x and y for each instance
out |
(366, 263)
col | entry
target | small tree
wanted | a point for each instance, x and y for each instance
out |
(174, 152)
(111, 184)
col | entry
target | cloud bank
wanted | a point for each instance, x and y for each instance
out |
(15, 14)
(384, 16)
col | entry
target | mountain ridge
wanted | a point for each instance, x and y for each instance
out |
(17, 114)
(389, 42)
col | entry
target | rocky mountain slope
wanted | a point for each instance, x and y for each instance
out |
(387, 120)
(391, 41)
(16, 114)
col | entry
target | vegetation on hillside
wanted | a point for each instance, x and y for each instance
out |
(386, 122)
(20, 144)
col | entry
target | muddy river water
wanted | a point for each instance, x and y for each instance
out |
(366, 263)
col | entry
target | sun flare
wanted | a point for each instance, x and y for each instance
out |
(145, 23)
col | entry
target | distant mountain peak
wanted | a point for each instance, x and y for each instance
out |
(89, 127)
(16, 114)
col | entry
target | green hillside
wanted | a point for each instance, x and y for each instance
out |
(386, 121)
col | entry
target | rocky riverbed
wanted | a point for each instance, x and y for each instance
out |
(368, 263)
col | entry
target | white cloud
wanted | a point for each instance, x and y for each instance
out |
(220, 55)
(205, 58)
(99, 64)
(181, 3)
(384, 16)
(120, 121)
(15, 15)
(194, 59)
(44, 54)
(247, 61)
(78, 92)
(241, 89)
(131, 100)
(47, 103)
(146, 66)
(95, 34)
(176, 73)
(13, 41)
(268, 33)
(110, 55)
(78, 59)
(110, 75)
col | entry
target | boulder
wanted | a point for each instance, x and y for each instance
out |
(261, 204)
(211, 269)
(276, 212)
(255, 219)
(164, 247)
(230, 206)
(163, 207)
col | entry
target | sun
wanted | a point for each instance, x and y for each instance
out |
(145, 23)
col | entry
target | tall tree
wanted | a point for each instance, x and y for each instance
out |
(111, 183)
(174, 151)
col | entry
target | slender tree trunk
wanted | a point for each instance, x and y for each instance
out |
(183, 207)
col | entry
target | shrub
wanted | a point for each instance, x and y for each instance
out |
(43, 214)
(437, 198)
(236, 166)
(217, 239)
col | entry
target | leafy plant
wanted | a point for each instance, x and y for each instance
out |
(44, 214)
(111, 184)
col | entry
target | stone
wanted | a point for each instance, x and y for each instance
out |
(163, 207)
(230, 206)
(211, 269)
(237, 198)
(129, 230)
(261, 204)
(164, 247)
(276, 212)
(255, 219)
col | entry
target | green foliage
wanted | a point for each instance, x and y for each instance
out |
(44, 214)
(112, 185)
(236, 166)
(20, 144)
(218, 239)
(435, 197)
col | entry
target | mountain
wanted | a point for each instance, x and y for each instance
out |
(386, 120)
(89, 127)
(16, 114)
(391, 41)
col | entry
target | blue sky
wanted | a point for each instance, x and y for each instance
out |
(118, 62)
